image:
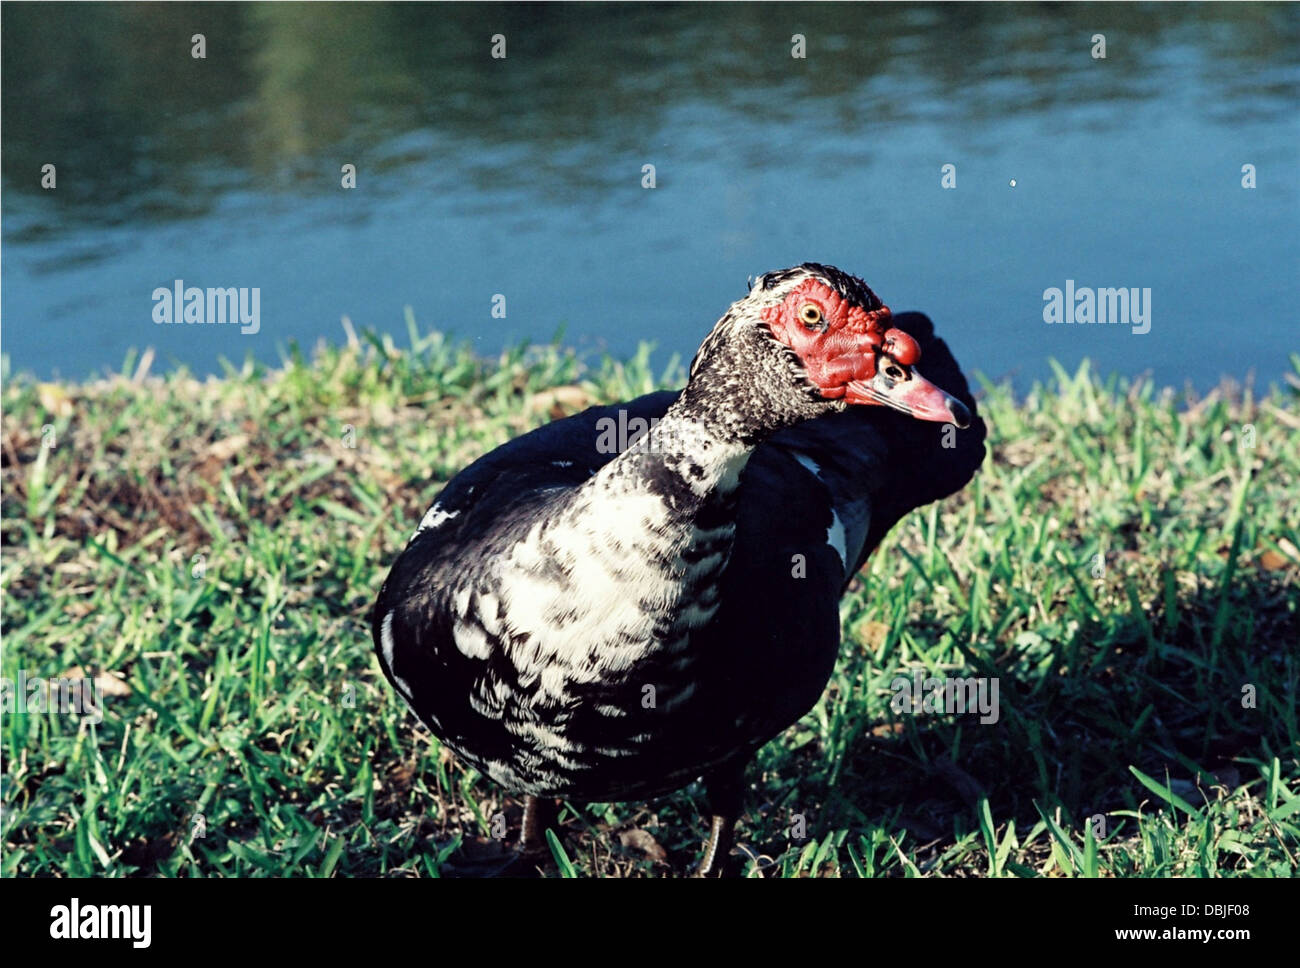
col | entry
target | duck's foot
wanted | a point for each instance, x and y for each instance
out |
(717, 852)
(726, 798)
(539, 813)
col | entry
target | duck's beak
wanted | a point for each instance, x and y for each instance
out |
(902, 388)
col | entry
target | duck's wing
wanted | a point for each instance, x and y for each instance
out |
(873, 465)
(815, 500)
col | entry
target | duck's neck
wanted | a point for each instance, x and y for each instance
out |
(658, 520)
(688, 458)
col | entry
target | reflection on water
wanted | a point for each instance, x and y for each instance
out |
(523, 176)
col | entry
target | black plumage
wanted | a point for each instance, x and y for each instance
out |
(601, 631)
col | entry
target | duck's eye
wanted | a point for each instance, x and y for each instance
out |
(894, 371)
(810, 314)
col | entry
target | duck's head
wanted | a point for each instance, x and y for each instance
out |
(813, 339)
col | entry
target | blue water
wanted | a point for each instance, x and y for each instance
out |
(522, 176)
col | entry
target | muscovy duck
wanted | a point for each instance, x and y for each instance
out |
(596, 619)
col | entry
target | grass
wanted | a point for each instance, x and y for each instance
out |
(1125, 564)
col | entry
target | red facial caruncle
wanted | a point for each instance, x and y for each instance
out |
(854, 354)
(836, 340)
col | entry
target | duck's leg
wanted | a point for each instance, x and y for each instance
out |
(539, 813)
(726, 788)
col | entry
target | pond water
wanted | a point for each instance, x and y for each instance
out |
(523, 176)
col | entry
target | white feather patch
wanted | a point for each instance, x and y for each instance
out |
(386, 646)
(835, 536)
(813, 467)
(472, 640)
(433, 518)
